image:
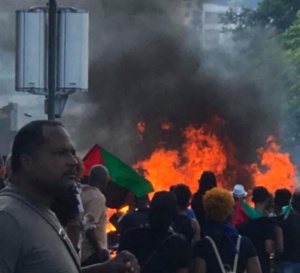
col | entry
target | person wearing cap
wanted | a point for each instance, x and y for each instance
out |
(239, 214)
(261, 231)
(157, 248)
(223, 250)
(289, 258)
(239, 192)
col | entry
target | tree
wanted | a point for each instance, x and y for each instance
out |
(279, 14)
(291, 41)
(281, 17)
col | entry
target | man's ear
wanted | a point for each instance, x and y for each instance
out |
(26, 162)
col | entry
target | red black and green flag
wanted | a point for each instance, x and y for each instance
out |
(120, 173)
(243, 212)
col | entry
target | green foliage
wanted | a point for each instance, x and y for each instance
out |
(282, 17)
(278, 14)
(241, 19)
(291, 41)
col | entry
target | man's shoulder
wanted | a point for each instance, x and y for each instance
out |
(7, 218)
(90, 192)
(11, 204)
(179, 239)
(291, 220)
(138, 233)
(197, 197)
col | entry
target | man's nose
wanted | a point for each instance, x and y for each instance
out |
(73, 160)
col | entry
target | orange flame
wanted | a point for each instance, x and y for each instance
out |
(166, 126)
(280, 172)
(203, 150)
(141, 127)
(110, 212)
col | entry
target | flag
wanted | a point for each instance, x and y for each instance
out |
(251, 212)
(239, 215)
(243, 212)
(120, 173)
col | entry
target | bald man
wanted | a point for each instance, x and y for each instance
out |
(94, 239)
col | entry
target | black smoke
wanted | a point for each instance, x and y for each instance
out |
(145, 65)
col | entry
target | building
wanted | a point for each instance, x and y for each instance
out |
(212, 29)
(212, 32)
(8, 127)
(184, 11)
(203, 19)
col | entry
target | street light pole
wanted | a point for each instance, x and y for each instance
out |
(52, 42)
(52, 53)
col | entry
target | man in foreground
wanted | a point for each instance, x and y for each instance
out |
(43, 165)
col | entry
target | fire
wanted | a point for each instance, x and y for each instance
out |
(110, 213)
(141, 127)
(166, 126)
(110, 227)
(280, 173)
(203, 150)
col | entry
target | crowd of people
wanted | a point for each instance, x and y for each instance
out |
(50, 222)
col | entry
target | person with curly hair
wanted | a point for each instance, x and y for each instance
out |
(223, 250)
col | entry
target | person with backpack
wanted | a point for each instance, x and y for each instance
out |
(223, 250)
(157, 248)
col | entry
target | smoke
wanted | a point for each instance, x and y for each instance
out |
(138, 60)
(145, 65)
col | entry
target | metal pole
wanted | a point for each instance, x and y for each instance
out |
(52, 59)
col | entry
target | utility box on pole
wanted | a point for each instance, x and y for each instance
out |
(72, 51)
(31, 51)
(52, 53)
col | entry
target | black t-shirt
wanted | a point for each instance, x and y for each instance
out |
(198, 208)
(134, 219)
(291, 237)
(183, 225)
(258, 231)
(157, 253)
(204, 250)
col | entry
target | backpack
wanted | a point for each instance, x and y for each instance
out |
(226, 268)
